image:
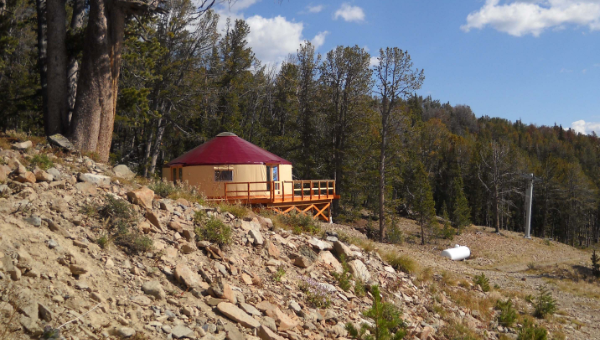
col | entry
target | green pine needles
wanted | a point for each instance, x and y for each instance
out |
(595, 264)
(461, 212)
(544, 304)
(387, 324)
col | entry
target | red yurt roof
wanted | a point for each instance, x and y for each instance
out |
(227, 148)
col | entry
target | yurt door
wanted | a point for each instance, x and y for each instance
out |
(273, 175)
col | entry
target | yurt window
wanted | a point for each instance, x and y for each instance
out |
(223, 176)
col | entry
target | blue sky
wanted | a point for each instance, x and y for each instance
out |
(535, 60)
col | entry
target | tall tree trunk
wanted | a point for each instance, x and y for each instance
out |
(73, 67)
(95, 105)
(40, 6)
(497, 210)
(156, 148)
(382, 180)
(56, 120)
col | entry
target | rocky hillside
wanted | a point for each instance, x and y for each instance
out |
(88, 252)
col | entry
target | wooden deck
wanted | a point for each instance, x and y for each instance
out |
(308, 196)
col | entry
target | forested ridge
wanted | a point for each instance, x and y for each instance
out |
(334, 116)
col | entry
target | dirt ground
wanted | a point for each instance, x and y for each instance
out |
(516, 267)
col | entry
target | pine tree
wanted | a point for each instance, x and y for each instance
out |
(447, 231)
(420, 198)
(461, 212)
(595, 264)
(387, 324)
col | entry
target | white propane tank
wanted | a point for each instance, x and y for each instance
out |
(457, 253)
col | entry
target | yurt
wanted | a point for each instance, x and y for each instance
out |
(229, 158)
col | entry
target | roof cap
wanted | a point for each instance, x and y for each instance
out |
(226, 134)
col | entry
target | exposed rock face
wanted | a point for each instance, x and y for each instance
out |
(237, 315)
(359, 270)
(123, 171)
(142, 197)
(154, 288)
(23, 145)
(185, 275)
(99, 180)
(61, 141)
(180, 288)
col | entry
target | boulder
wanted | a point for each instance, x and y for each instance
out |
(236, 314)
(122, 171)
(284, 322)
(320, 244)
(55, 173)
(359, 270)
(43, 176)
(341, 249)
(264, 333)
(151, 216)
(23, 145)
(273, 250)
(61, 141)
(27, 177)
(328, 258)
(142, 197)
(99, 180)
(174, 225)
(154, 288)
(185, 275)
(257, 236)
(180, 331)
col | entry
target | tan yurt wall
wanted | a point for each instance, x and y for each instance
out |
(250, 173)
(203, 177)
(285, 174)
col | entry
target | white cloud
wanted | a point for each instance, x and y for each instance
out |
(315, 9)
(522, 17)
(271, 39)
(350, 13)
(584, 127)
(319, 39)
(373, 61)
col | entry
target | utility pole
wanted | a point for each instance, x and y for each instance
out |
(528, 202)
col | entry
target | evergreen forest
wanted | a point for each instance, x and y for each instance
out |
(336, 116)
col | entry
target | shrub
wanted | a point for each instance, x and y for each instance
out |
(200, 217)
(386, 318)
(402, 263)
(89, 210)
(544, 303)
(394, 234)
(214, 231)
(103, 241)
(278, 274)
(300, 222)
(529, 331)
(237, 210)
(359, 288)
(344, 277)
(163, 188)
(116, 209)
(482, 281)
(508, 314)
(317, 294)
(41, 161)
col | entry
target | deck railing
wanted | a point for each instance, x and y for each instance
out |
(280, 191)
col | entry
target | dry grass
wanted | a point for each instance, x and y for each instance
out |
(238, 210)
(470, 300)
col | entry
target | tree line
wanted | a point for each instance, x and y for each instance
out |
(170, 81)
